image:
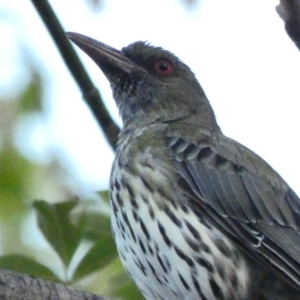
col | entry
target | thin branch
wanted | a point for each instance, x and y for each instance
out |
(15, 286)
(90, 93)
(289, 11)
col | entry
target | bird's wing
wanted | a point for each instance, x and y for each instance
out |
(246, 199)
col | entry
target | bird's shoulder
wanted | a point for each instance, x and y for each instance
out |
(245, 158)
(221, 152)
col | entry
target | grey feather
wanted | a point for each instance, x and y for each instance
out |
(247, 200)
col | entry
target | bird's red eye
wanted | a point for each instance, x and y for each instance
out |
(163, 67)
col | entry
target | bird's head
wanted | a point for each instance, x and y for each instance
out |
(149, 84)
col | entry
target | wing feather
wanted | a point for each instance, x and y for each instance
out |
(246, 199)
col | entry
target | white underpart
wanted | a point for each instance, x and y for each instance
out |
(171, 286)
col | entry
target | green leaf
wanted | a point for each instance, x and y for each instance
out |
(31, 98)
(93, 224)
(104, 195)
(23, 264)
(55, 224)
(128, 291)
(15, 176)
(121, 285)
(100, 255)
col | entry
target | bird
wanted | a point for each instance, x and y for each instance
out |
(195, 214)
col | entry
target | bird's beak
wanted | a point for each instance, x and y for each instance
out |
(106, 57)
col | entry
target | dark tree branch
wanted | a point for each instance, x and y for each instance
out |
(289, 11)
(90, 93)
(15, 286)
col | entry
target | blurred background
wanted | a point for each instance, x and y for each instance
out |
(52, 149)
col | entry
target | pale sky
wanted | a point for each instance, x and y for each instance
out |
(238, 49)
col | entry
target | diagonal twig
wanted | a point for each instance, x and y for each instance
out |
(89, 91)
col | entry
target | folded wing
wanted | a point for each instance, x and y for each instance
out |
(246, 199)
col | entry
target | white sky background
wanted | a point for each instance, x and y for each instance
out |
(238, 49)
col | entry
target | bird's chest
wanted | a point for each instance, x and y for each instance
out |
(167, 249)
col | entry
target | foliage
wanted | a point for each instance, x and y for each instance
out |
(80, 248)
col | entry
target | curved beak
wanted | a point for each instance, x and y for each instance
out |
(106, 57)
